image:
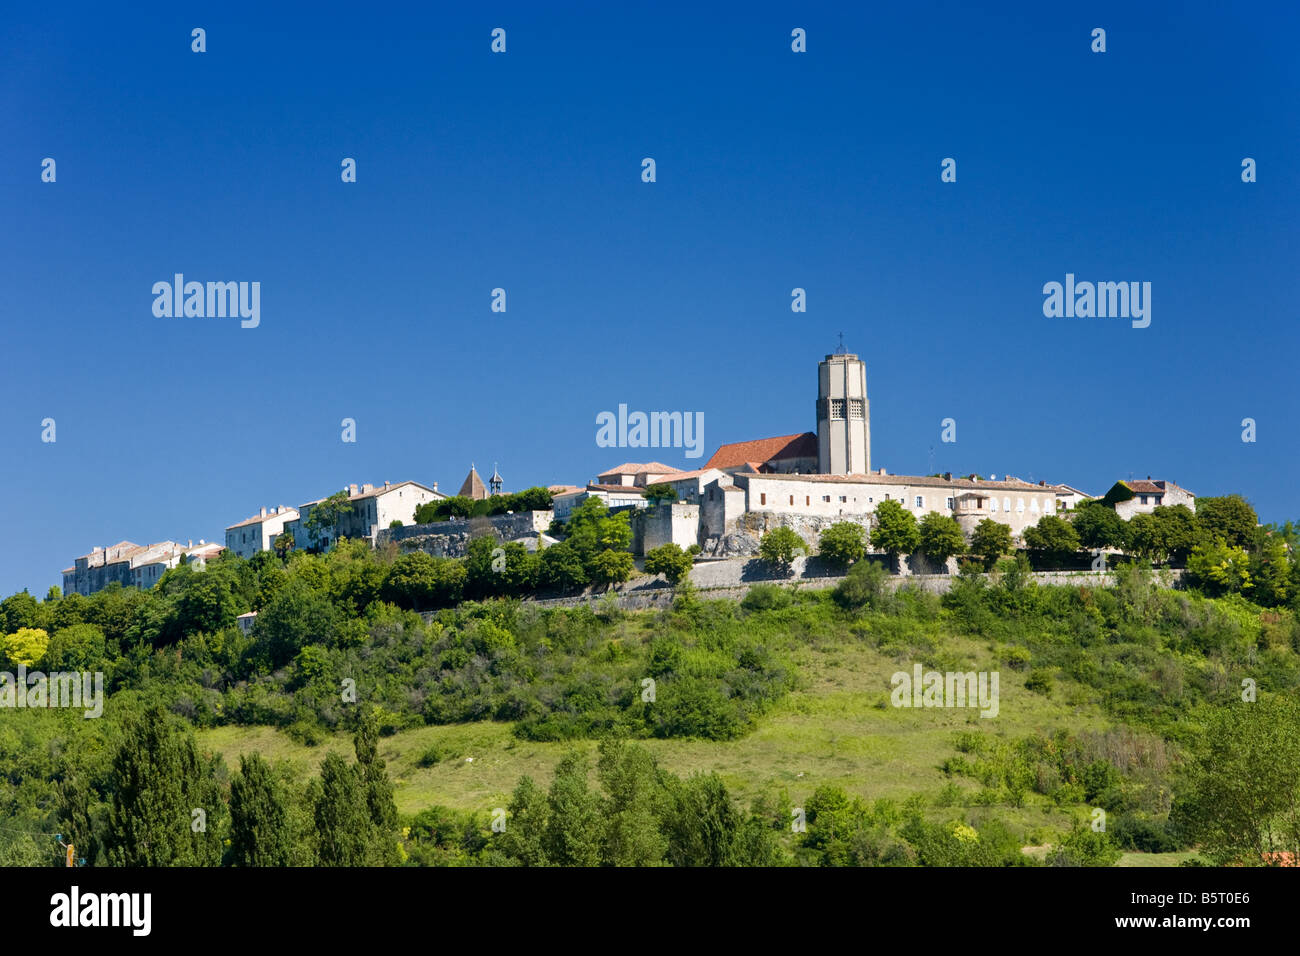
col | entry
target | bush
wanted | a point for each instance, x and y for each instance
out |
(766, 597)
(865, 586)
(1039, 681)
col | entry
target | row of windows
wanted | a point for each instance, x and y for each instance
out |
(919, 503)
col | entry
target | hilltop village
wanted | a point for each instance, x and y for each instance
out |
(805, 482)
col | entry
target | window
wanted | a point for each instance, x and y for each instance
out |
(1006, 505)
(792, 499)
(856, 408)
(1159, 498)
(920, 502)
(807, 500)
(993, 504)
(1020, 504)
(843, 499)
(826, 498)
(762, 499)
(950, 504)
(1033, 505)
(837, 408)
(1144, 499)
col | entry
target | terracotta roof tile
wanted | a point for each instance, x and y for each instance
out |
(763, 450)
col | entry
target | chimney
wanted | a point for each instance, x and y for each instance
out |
(263, 512)
(387, 483)
(353, 489)
(191, 544)
(435, 486)
(947, 476)
(1042, 484)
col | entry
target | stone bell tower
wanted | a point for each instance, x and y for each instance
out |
(843, 415)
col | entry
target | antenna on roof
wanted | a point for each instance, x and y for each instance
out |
(841, 350)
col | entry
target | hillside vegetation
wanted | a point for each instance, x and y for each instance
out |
(348, 729)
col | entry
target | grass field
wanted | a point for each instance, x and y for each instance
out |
(836, 728)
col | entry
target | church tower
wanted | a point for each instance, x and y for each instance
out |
(843, 416)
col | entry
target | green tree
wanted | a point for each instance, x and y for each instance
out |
(165, 807)
(323, 521)
(575, 832)
(26, 646)
(261, 833)
(298, 615)
(1098, 526)
(562, 568)
(896, 532)
(1219, 569)
(344, 833)
(612, 567)
(702, 823)
(528, 825)
(1243, 805)
(670, 561)
(1229, 517)
(843, 543)
(497, 569)
(76, 648)
(1167, 533)
(198, 601)
(779, 547)
(941, 537)
(1271, 569)
(634, 800)
(989, 541)
(20, 611)
(1052, 536)
(378, 790)
(283, 544)
(421, 582)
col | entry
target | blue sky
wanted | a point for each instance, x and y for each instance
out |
(775, 170)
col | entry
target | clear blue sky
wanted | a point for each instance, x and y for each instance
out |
(522, 170)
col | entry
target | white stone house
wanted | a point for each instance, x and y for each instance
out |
(1148, 495)
(373, 507)
(258, 533)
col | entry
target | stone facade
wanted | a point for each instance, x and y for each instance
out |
(450, 539)
(665, 523)
(259, 532)
(374, 508)
(1149, 495)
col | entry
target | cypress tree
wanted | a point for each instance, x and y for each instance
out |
(157, 781)
(260, 832)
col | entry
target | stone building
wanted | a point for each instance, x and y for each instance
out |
(258, 533)
(133, 565)
(784, 454)
(373, 507)
(1135, 497)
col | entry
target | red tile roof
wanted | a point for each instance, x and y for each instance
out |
(763, 450)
